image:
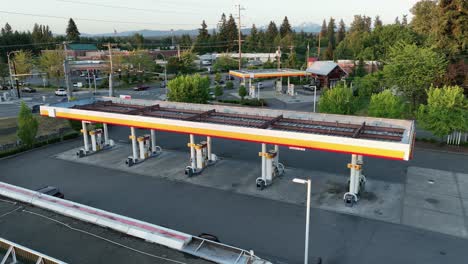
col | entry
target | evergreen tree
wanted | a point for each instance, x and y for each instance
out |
(232, 33)
(285, 27)
(341, 32)
(222, 32)
(203, 39)
(72, 31)
(331, 33)
(271, 32)
(451, 32)
(252, 39)
(377, 22)
(404, 21)
(8, 29)
(423, 21)
(397, 21)
(323, 31)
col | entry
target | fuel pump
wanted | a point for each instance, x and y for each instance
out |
(99, 140)
(200, 156)
(143, 147)
(271, 168)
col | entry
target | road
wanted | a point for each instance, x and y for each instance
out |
(273, 229)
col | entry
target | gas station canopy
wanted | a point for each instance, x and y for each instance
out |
(267, 73)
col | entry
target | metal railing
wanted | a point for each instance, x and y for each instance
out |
(13, 253)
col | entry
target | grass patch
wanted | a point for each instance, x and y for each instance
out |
(47, 125)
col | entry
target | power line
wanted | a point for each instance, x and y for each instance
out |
(126, 7)
(93, 19)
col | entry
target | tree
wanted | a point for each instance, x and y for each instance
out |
(4, 72)
(369, 84)
(423, 21)
(253, 39)
(231, 33)
(51, 62)
(404, 21)
(218, 77)
(450, 33)
(203, 38)
(285, 27)
(225, 63)
(387, 105)
(72, 31)
(360, 71)
(218, 91)
(229, 85)
(271, 32)
(338, 100)
(331, 39)
(27, 125)
(291, 62)
(23, 62)
(323, 30)
(341, 32)
(189, 89)
(137, 40)
(242, 91)
(413, 69)
(446, 111)
(377, 22)
(183, 65)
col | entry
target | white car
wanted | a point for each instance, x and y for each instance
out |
(61, 92)
(260, 85)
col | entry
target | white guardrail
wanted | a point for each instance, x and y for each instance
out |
(202, 248)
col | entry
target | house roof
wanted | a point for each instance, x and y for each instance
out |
(322, 67)
(82, 46)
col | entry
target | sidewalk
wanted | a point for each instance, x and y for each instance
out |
(414, 203)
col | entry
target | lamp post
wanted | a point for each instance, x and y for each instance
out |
(306, 250)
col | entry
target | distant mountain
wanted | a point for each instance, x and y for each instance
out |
(308, 27)
(146, 33)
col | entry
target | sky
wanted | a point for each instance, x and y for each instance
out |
(105, 16)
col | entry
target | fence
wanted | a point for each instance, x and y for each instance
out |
(61, 134)
(456, 138)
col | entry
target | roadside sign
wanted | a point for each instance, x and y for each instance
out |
(123, 96)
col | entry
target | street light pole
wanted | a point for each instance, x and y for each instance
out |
(306, 249)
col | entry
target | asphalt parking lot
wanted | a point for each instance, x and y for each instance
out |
(273, 229)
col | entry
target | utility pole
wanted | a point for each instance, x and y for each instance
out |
(16, 80)
(111, 90)
(239, 8)
(278, 57)
(307, 55)
(318, 50)
(178, 51)
(11, 74)
(65, 72)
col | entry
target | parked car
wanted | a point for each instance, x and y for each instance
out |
(212, 95)
(78, 84)
(60, 92)
(141, 88)
(5, 87)
(260, 85)
(163, 84)
(52, 191)
(28, 90)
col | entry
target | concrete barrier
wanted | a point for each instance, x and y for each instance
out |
(149, 232)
